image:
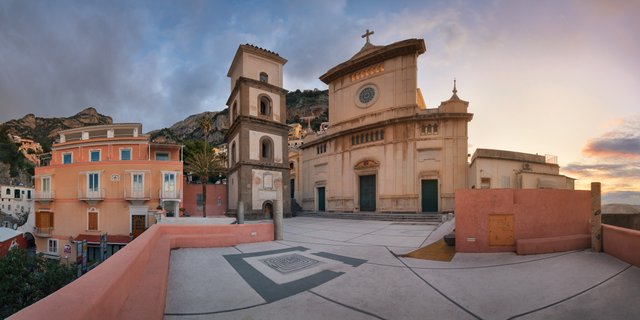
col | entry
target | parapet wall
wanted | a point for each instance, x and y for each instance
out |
(622, 243)
(523, 220)
(132, 283)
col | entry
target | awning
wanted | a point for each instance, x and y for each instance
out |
(94, 238)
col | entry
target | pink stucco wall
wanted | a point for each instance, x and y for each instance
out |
(538, 214)
(132, 283)
(622, 243)
(215, 192)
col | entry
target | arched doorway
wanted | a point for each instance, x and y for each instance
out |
(31, 243)
(267, 210)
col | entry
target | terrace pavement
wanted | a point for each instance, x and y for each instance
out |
(346, 269)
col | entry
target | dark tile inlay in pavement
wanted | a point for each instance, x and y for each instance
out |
(271, 291)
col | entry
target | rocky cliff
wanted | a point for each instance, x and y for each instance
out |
(306, 103)
(301, 105)
(44, 130)
(189, 129)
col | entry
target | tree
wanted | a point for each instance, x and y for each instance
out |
(25, 279)
(203, 162)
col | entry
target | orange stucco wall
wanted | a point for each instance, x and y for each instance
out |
(622, 243)
(132, 283)
(538, 214)
(215, 192)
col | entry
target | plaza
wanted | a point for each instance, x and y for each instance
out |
(358, 274)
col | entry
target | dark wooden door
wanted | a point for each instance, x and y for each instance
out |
(429, 195)
(293, 188)
(368, 193)
(137, 225)
(321, 199)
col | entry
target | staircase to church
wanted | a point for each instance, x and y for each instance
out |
(427, 218)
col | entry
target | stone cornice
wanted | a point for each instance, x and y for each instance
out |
(416, 117)
(256, 84)
(409, 46)
(257, 51)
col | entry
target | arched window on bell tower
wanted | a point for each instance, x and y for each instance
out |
(264, 77)
(266, 149)
(233, 153)
(265, 106)
(234, 111)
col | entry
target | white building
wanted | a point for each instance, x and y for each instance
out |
(16, 202)
(500, 169)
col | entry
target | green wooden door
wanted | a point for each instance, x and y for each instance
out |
(321, 199)
(429, 195)
(368, 193)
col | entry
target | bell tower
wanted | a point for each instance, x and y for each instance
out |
(257, 137)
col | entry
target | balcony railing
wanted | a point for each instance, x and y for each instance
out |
(44, 232)
(169, 194)
(137, 194)
(91, 194)
(44, 195)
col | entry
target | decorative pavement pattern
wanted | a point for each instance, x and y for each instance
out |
(296, 272)
(289, 263)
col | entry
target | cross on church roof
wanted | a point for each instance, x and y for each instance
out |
(367, 34)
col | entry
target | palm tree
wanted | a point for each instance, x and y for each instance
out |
(205, 122)
(202, 163)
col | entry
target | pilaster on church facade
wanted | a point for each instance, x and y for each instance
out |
(257, 137)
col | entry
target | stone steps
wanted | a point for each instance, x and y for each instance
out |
(428, 218)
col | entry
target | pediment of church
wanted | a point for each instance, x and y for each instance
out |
(366, 164)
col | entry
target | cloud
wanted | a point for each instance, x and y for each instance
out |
(608, 170)
(629, 197)
(622, 142)
(612, 160)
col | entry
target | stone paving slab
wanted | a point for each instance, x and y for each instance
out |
(404, 296)
(505, 291)
(302, 306)
(200, 280)
(615, 299)
(397, 241)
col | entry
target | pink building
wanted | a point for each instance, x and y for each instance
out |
(103, 179)
(216, 199)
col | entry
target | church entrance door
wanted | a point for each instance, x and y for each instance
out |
(429, 195)
(321, 199)
(368, 193)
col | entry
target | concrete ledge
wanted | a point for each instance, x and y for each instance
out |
(553, 244)
(622, 243)
(132, 284)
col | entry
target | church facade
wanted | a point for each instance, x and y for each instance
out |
(384, 150)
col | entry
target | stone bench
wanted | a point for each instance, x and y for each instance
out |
(553, 244)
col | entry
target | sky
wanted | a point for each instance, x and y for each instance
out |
(547, 77)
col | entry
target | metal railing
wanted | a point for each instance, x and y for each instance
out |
(136, 194)
(91, 194)
(169, 194)
(44, 195)
(42, 231)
